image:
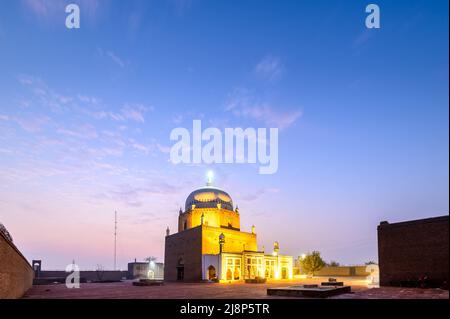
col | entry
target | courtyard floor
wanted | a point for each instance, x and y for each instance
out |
(126, 290)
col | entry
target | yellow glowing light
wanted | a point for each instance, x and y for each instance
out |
(211, 196)
(277, 274)
(303, 256)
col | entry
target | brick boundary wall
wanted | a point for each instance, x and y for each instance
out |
(16, 274)
(412, 250)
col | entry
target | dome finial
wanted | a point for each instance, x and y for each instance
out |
(209, 178)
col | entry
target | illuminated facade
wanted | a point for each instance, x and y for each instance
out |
(210, 245)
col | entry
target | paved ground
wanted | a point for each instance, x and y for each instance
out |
(212, 290)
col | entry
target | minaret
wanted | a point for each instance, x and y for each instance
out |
(276, 248)
(221, 241)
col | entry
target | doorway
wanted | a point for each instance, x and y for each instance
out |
(211, 273)
(180, 273)
(284, 273)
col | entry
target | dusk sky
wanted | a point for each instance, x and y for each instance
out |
(86, 116)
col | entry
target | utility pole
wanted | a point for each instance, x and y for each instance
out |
(115, 239)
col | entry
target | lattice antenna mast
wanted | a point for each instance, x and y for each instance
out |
(115, 239)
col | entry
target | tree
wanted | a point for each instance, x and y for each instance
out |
(151, 258)
(312, 262)
(99, 271)
(333, 264)
(151, 267)
(371, 263)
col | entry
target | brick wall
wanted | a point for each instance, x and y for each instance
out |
(187, 245)
(409, 250)
(16, 274)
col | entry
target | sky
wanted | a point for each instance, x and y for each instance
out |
(86, 116)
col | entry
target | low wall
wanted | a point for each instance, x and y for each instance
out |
(86, 275)
(16, 274)
(343, 271)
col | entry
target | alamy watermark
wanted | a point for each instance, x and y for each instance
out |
(234, 145)
(373, 19)
(73, 19)
(73, 279)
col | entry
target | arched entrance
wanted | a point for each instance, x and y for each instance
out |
(284, 273)
(180, 269)
(211, 273)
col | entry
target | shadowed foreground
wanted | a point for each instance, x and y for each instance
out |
(212, 290)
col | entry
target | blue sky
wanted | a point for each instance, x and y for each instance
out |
(85, 118)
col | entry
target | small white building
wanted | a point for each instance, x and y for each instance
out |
(228, 267)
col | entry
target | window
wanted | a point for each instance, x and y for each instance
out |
(233, 268)
(229, 274)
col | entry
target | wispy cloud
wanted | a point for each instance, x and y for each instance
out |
(40, 7)
(163, 149)
(181, 7)
(269, 68)
(134, 195)
(133, 112)
(85, 131)
(242, 103)
(177, 119)
(257, 194)
(113, 56)
(32, 124)
(47, 97)
(115, 59)
(362, 38)
(72, 123)
(86, 104)
(89, 99)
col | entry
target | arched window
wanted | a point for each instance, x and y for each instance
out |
(237, 273)
(185, 225)
(229, 274)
